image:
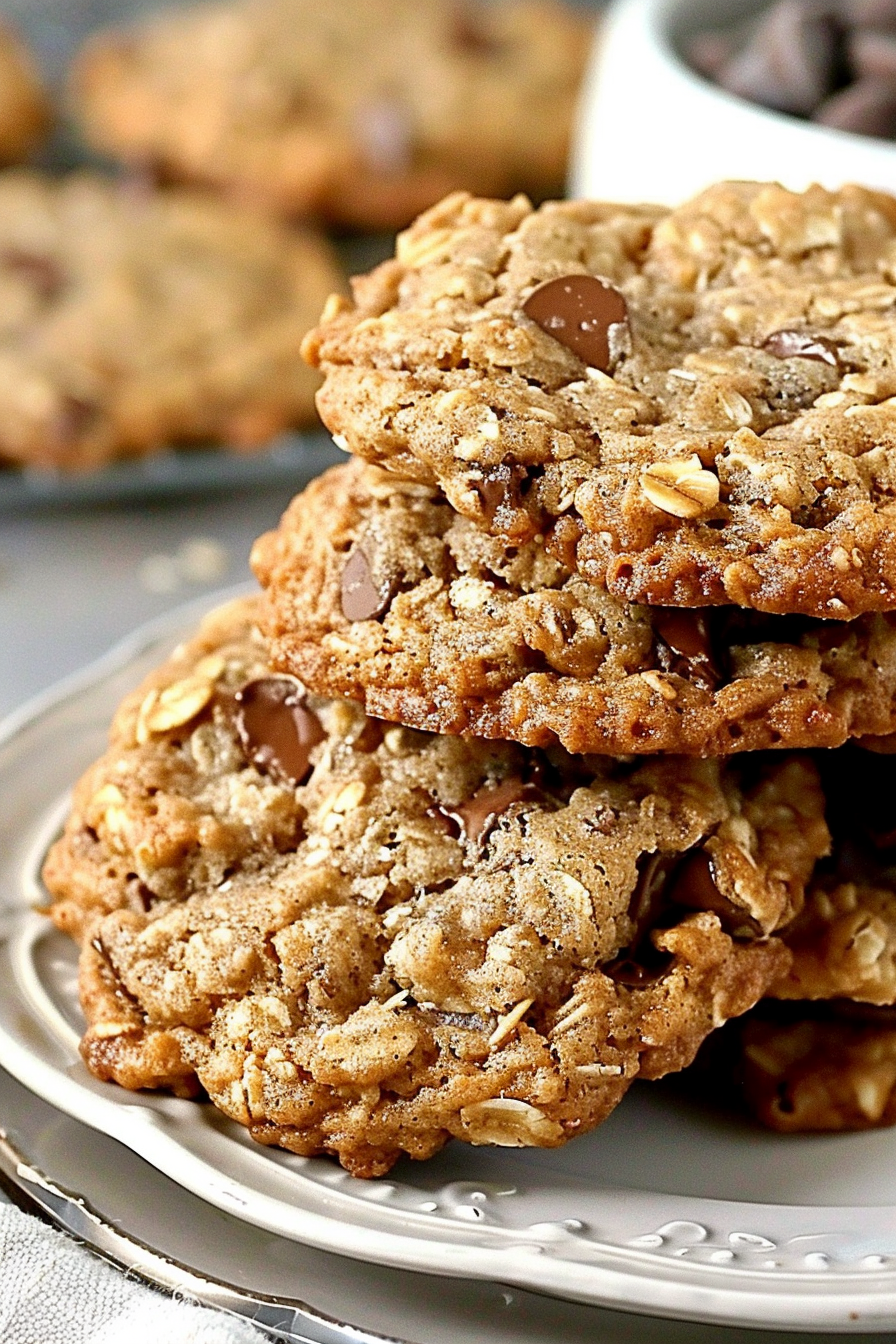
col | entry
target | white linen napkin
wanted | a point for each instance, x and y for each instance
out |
(55, 1291)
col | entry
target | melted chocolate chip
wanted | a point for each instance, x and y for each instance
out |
(695, 888)
(501, 486)
(44, 274)
(799, 344)
(664, 882)
(641, 963)
(633, 974)
(685, 646)
(649, 895)
(364, 597)
(477, 816)
(585, 314)
(276, 728)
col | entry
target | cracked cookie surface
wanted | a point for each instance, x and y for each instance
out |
(415, 611)
(690, 407)
(134, 320)
(365, 940)
(365, 112)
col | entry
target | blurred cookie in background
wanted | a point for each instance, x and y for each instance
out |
(133, 320)
(363, 112)
(25, 113)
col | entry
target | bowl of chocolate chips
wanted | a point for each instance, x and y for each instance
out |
(682, 93)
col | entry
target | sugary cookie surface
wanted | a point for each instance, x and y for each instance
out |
(364, 940)
(692, 407)
(133, 320)
(414, 610)
(364, 111)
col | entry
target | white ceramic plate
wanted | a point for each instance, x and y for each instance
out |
(346, 1297)
(666, 1209)
(652, 129)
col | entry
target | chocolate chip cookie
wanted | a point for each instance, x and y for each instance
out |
(820, 1052)
(803, 1068)
(135, 320)
(365, 940)
(690, 407)
(365, 111)
(25, 112)
(844, 940)
(402, 604)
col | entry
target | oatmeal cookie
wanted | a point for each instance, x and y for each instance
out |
(843, 944)
(364, 940)
(365, 111)
(691, 407)
(817, 1067)
(844, 940)
(133, 320)
(25, 113)
(823, 1057)
(401, 603)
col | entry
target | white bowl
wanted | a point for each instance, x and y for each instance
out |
(651, 129)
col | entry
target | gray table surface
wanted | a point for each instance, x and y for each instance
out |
(72, 582)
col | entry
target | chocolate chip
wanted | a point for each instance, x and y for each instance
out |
(44, 274)
(790, 61)
(867, 107)
(660, 878)
(800, 345)
(501, 487)
(694, 887)
(585, 314)
(648, 897)
(364, 597)
(477, 816)
(685, 646)
(276, 728)
(709, 53)
(875, 13)
(873, 54)
(633, 974)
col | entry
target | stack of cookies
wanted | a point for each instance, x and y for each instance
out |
(474, 817)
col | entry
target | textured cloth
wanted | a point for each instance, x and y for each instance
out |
(54, 1291)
